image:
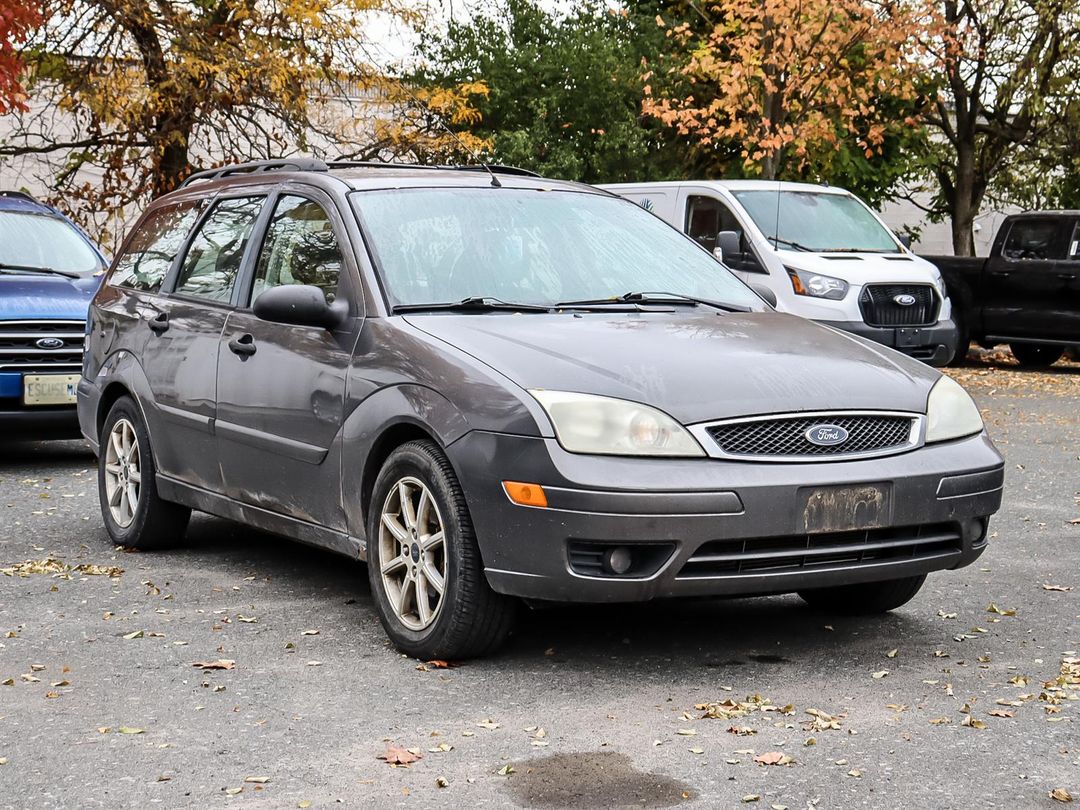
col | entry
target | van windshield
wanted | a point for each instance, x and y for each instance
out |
(531, 246)
(36, 242)
(816, 221)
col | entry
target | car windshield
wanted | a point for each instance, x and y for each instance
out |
(533, 247)
(821, 222)
(38, 242)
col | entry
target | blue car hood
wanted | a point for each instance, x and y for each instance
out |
(30, 298)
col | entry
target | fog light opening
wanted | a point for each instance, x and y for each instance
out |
(617, 560)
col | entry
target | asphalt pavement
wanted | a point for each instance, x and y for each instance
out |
(967, 697)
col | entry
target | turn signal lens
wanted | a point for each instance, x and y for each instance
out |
(525, 494)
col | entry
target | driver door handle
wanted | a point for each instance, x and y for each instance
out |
(160, 324)
(244, 346)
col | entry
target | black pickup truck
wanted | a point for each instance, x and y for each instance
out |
(1025, 293)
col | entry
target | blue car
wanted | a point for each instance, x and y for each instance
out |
(49, 271)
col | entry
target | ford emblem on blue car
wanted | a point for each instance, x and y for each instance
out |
(826, 435)
(50, 343)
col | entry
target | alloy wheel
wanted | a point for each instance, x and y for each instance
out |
(412, 553)
(123, 472)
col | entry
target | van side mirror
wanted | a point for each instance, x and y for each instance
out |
(905, 240)
(728, 243)
(766, 293)
(299, 305)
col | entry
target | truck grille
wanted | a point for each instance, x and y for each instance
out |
(879, 306)
(62, 350)
(809, 552)
(784, 438)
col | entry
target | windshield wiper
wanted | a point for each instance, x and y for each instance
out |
(790, 244)
(474, 304)
(669, 299)
(16, 269)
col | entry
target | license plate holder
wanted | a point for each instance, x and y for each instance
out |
(909, 337)
(844, 508)
(50, 389)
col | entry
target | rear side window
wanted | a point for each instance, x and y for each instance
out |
(300, 248)
(1034, 239)
(213, 260)
(151, 250)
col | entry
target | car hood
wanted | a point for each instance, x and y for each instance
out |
(695, 366)
(33, 297)
(866, 268)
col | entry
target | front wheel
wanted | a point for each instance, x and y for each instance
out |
(865, 597)
(133, 513)
(424, 565)
(1036, 355)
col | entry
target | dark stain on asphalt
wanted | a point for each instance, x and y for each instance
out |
(591, 779)
(767, 658)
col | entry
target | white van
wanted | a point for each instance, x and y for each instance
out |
(820, 250)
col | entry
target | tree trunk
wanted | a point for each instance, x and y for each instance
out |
(171, 153)
(965, 201)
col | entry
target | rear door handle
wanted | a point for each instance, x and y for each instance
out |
(244, 346)
(159, 324)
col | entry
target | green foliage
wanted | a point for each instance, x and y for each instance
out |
(564, 91)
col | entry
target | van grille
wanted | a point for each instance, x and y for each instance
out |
(879, 307)
(809, 552)
(20, 349)
(785, 437)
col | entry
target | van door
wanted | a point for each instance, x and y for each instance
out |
(281, 388)
(705, 217)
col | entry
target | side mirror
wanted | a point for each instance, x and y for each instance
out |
(728, 243)
(300, 305)
(905, 240)
(766, 293)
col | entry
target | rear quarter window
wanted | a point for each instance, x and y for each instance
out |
(152, 248)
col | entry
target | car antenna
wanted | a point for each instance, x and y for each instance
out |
(438, 118)
(776, 229)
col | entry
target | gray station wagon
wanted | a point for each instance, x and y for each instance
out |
(494, 386)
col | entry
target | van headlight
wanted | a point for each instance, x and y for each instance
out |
(816, 285)
(615, 427)
(950, 412)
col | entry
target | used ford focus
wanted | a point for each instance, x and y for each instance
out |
(492, 387)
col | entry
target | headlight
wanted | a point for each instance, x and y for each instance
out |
(615, 427)
(816, 285)
(950, 412)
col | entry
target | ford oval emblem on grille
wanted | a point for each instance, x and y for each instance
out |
(49, 343)
(904, 299)
(826, 435)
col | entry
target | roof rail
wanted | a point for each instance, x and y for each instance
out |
(478, 167)
(22, 195)
(300, 164)
(305, 164)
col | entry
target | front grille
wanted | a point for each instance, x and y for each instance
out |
(19, 350)
(879, 307)
(810, 552)
(785, 437)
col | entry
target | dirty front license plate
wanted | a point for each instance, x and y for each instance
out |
(845, 508)
(50, 389)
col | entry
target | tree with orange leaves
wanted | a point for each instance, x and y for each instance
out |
(790, 81)
(17, 19)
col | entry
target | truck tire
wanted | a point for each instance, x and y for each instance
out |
(866, 597)
(1036, 355)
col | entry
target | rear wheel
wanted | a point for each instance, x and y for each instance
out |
(424, 565)
(1036, 355)
(133, 513)
(865, 597)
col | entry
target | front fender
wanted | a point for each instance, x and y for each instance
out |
(405, 409)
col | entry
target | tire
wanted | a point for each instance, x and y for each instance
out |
(963, 342)
(153, 523)
(865, 598)
(1036, 355)
(468, 619)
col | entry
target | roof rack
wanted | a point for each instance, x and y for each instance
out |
(258, 166)
(303, 164)
(22, 195)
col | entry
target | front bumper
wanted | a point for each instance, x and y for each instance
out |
(934, 345)
(691, 514)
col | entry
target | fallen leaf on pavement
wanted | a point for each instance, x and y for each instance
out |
(1061, 795)
(129, 730)
(1001, 713)
(1062, 588)
(438, 663)
(310, 633)
(773, 758)
(892, 653)
(506, 770)
(490, 725)
(972, 722)
(133, 634)
(442, 781)
(879, 674)
(258, 780)
(751, 797)
(396, 755)
(221, 663)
